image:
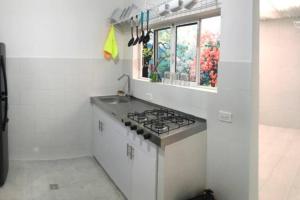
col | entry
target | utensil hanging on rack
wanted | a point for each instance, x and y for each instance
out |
(142, 27)
(132, 38)
(189, 4)
(137, 30)
(147, 37)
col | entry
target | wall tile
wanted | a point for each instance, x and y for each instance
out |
(50, 104)
(13, 66)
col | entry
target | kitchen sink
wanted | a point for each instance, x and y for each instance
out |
(115, 99)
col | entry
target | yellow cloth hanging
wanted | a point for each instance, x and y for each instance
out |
(111, 49)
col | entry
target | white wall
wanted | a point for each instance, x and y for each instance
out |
(54, 65)
(279, 69)
(57, 28)
(232, 147)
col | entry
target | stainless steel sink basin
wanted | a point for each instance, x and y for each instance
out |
(114, 99)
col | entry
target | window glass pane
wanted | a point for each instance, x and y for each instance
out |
(163, 51)
(148, 56)
(210, 50)
(186, 50)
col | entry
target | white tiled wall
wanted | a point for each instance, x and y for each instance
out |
(279, 73)
(49, 107)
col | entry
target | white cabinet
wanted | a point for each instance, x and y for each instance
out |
(127, 158)
(99, 145)
(110, 149)
(144, 173)
(119, 164)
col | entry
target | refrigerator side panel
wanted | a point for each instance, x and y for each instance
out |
(4, 163)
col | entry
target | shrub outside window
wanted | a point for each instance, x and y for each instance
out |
(163, 51)
(209, 51)
(148, 56)
(186, 49)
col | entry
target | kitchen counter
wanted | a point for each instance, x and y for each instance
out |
(120, 111)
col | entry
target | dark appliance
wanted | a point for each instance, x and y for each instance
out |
(3, 117)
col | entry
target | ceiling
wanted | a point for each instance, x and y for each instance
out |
(275, 9)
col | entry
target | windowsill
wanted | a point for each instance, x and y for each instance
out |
(197, 88)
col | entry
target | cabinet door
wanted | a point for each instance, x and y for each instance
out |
(119, 163)
(144, 171)
(99, 140)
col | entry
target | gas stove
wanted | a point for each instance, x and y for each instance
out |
(160, 125)
(157, 124)
(161, 121)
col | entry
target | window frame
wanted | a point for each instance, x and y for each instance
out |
(173, 46)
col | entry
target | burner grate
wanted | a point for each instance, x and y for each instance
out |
(160, 113)
(161, 120)
(157, 126)
(138, 117)
(180, 120)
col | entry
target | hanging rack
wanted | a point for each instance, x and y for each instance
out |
(155, 18)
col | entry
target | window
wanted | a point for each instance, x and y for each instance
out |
(163, 51)
(190, 50)
(186, 50)
(209, 51)
(161, 56)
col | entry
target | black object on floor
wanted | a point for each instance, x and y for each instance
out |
(206, 195)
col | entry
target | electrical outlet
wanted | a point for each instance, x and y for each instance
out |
(225, 116)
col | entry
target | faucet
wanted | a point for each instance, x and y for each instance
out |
(128, 79)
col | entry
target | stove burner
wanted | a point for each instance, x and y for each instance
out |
(178, 120)
(160, 112)
(138, 117)
(160, 127)
(141, 117)
(157, 126)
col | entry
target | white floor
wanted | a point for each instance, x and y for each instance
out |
(279, 158)
(77, 179)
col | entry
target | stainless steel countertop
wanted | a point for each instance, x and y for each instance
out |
(120, 110)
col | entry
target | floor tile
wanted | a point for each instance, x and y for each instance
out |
(279, 163)
(78, 179)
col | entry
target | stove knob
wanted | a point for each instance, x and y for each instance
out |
(133, 127)
(140, 131)
(127, 123)
(147, 136)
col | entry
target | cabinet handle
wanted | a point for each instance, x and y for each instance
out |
(100, 126)
(131, 153)
(128, 150)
